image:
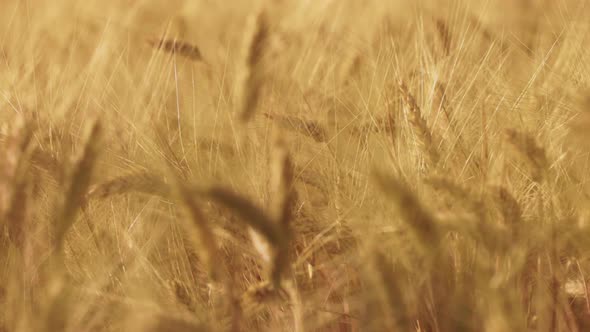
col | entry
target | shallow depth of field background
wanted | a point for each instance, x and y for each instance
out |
(287, 165)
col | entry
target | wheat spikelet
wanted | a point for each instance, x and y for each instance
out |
(252, 71)
(486, 33)
(282, 177)
(379, 124)
(530, 152)
(283, 204)
(389, 126)
(411, 210)
(14, 149)
(443, 183)
(352, 68)
(142, 182)
(424, 134)
(476, 223)
(19, 212)
(199, 231)
(463, 194)
(283, 197)
(15, 185)
(249, 213)
(180, 292)
(216, 146)
(261, 293)
(47, 162)
(276, 234)
(473, 223)
(179, 47)
(309, 128)
(509, 206)
(444, 34)
(311, 177)
(77, 184)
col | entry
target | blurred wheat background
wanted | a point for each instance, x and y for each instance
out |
(287, 165)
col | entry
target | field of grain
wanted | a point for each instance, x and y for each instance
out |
(292, 165)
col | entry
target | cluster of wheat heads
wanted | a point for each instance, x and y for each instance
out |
(294, 165)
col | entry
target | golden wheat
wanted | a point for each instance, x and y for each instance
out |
(294, 166)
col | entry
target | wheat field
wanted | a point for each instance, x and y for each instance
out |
(289, 165)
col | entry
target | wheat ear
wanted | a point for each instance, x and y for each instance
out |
(424, 134)
(77, 184)
(252, 70)
(179, 47)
